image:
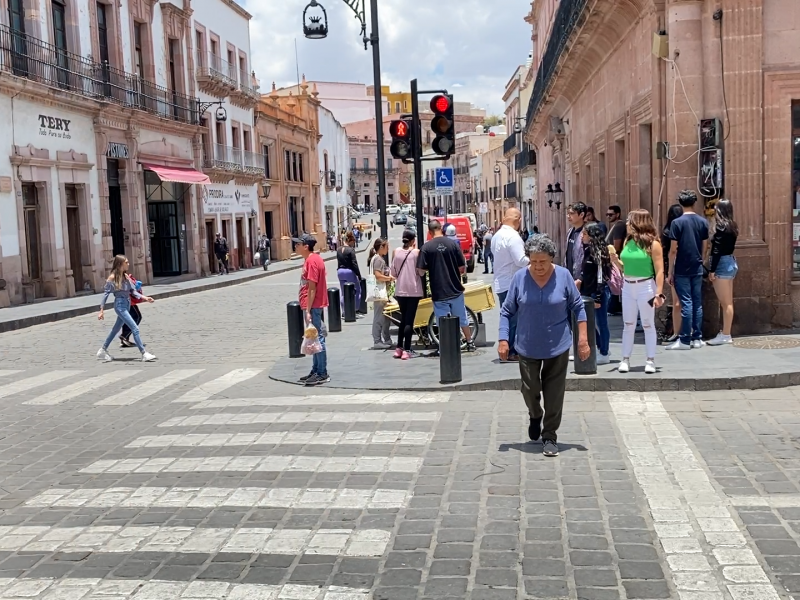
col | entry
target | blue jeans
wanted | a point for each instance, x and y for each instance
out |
(601, 323)
(512, 325)
(690, 293)
(320, 359)
(122, 308)
(488, 257)
(454, 307)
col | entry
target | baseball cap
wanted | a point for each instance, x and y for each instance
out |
(305, 240)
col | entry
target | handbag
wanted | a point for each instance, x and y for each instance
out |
(376, 291)
(615, 281)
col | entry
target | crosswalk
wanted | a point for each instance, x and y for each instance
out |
(292, 460)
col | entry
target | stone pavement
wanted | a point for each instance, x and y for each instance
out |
(221, 484)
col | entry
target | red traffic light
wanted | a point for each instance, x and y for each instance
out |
(399, 129)
(440, 104)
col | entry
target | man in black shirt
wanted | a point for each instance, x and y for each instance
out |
(221, 252)
(441, 258)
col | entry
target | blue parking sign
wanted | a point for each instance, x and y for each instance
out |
(444, 179)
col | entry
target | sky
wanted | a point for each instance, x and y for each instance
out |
(469, 47)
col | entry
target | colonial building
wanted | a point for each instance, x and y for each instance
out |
(333, 154)
(363, 183)
(634, 101)
(232, 156)
(288, 129)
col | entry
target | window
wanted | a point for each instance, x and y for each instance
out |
(390, 184)
(200, 44)
(397, 107)
(287, 159)
(174, 69)
(325, 161)
(405, 104)
(294, 176)
(267, 170)
(389, 164)
(60, 42)
(366, 184)
(352, 164)
(300, 167)
(366, 164)
(220, 131)
(231, 62)
(235, 136)
(138, 49)
(102, 32)
(246, 135)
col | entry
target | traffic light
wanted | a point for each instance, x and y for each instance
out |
(443, 125)
(402, 139)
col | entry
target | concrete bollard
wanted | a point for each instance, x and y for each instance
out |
(334, 310)
(349, 303)
(296, 325)
(449, 350)
(588, 366)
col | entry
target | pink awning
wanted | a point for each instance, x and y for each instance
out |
(178, 175)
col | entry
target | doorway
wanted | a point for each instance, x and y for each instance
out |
(268, 224)
(241, 244)
(115, 207)
(33, 239)
(162, 220)
(210, 236)
(74, 237)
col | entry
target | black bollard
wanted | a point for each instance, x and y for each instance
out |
(449, 350)
(363, 306)
(294, 319)
(349, 303)
(334, 310)
(588, 366)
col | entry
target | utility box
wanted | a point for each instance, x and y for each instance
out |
(660, 45)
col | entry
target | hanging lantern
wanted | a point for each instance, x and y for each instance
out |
(315, 21)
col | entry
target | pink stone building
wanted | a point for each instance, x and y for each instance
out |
(615, 79)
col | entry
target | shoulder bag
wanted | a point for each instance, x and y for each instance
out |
(376, 290)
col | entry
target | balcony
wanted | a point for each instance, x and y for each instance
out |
(525, 158)
(247, 94)
(568, 16)
(510, 191)
(25, 56)
(226, 162)
(216, 76)
(510, 144)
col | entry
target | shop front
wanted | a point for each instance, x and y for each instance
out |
(229, 209)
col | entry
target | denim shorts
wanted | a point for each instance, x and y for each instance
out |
(727, 267)
(454, 307)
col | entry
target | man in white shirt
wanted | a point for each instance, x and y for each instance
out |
(508, 250)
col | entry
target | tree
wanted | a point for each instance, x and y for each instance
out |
(493, 121)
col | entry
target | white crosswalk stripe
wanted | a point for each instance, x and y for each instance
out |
(211, 497)
(356, 399)
(148, 388)
(219, 385)
(327, 438)
(297, 417)
(9, 372)
(81, 387)
(23, 385)
(138, 589)
(248, 464)
(345, 542)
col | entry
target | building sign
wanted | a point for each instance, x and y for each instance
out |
(117, 150)
(228, 198)
(54, 127)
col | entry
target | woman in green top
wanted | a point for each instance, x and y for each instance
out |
(644, 282)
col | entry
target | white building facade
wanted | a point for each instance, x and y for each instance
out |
(334, 163)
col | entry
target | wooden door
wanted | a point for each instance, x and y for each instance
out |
(241, 243)
(210, 237)
(33, 237)
(74, 237)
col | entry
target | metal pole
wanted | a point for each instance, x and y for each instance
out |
(376, 67)
(417, 150)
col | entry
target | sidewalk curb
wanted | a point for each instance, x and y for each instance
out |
(214, 283)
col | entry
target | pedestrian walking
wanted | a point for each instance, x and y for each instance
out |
(264, 248)
(617, 232)
(642, 291)
(508, 251)
(673, 213)
(573, 254)
(595, 272)
(348, 271)
(119, 285)
(443, 260)
(381, 338)
(313, 301)
(487, 252)
(545, 300)
(221, 251)
(136, 314)
(689, 235)
(723, 267)
(407, 290)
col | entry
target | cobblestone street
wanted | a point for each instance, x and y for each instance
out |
(199, 477)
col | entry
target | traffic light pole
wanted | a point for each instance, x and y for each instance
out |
(376, 67)
(417, 151)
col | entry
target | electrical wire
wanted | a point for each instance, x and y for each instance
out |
(722, 76)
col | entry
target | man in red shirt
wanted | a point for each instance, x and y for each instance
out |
(313, 300)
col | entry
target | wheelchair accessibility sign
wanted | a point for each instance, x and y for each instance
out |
(444, 179)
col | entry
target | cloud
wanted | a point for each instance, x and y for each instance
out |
(472, 46)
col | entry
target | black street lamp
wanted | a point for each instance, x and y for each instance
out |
(315, 27)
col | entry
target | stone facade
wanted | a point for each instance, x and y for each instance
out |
(363, 185)
(595, 122)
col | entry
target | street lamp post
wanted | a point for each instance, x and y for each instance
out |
(315, 27)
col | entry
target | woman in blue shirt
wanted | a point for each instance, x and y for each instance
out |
(544, 297)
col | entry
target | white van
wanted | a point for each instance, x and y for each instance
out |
(472, 220)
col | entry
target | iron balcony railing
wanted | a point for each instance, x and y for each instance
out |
(34, 59)
(247, 87)
(216, 67)
(525, 158)
(510, 143)
(510, 190)
(253, 163)
(224, 158)
(567, 17)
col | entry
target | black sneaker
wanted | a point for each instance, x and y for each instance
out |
(317, 380)
(550, 448)
(471, 347)
(535, 429)
(306, 378)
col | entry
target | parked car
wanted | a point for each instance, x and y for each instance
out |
(400, 218)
